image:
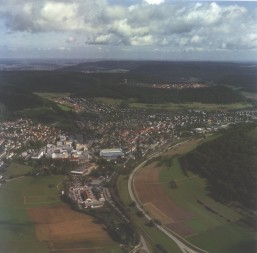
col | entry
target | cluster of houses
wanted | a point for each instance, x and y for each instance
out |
(174, 85)
(15, 135)
(88, 195)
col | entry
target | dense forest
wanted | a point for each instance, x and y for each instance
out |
(229, 165)
(15, 98)
(100, 85)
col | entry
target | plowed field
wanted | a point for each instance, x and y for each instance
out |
(152, 195)
(66, 229)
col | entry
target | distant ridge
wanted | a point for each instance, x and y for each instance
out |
(243, 75)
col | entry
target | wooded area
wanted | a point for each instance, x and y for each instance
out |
(229, 165)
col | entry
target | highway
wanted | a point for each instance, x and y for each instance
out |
(184, 246)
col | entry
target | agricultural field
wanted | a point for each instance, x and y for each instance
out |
(65, 229)
(152, 235)
(34, 219)
(194, 106)
(175, 107)
(181, 202)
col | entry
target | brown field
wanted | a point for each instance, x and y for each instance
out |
(157, 213)
(65, 229)
(154, 198)
(157, 203)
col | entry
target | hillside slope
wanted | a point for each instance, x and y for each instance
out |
(229, 165)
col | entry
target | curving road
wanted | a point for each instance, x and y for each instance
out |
(185, 246)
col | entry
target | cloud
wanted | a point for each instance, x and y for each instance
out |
(179, 25)
(71, 39)
(62, 48)
(154, 1)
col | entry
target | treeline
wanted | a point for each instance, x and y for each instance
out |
(46, 167)
(214, 94)
(229, 165)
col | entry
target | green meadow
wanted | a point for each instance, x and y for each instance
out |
(217, 227)
(17, 233)
(175, 107)
(21, 193)
(16, 169)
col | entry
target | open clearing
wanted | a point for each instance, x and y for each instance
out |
(188, 210)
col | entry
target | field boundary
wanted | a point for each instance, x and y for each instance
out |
(27, 201)
(74, 249)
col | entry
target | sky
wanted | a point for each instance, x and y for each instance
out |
(129, 29)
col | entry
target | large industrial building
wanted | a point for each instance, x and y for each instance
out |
(111, 153)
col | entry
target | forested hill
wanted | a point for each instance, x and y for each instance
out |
(111, 85)
(214, 94)
(229, 163)
(15, 98)
(242, 75)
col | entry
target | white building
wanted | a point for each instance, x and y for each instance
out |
(111, 153)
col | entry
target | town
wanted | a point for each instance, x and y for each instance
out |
(173, 85)
(113, 134)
